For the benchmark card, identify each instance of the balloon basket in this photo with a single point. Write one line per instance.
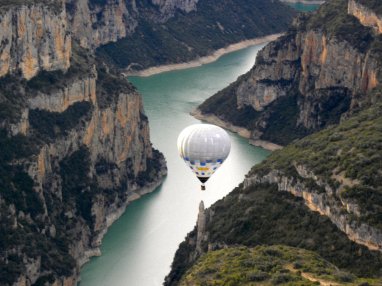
(203, 187)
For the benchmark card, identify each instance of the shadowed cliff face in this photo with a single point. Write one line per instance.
(324, 66)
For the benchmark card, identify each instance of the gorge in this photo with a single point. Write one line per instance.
(77, 151)
(138, 249)
(74, 136)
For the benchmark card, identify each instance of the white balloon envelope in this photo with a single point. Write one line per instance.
(204, 148)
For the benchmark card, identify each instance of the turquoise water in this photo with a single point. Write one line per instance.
(139, 248)
(304, 7)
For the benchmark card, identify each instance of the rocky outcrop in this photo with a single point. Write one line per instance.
(114, 136)
(94, 25)
(314, 62)
(323, 71)
(328, 203)
(365, 15)
(258, 213)
(33, 38)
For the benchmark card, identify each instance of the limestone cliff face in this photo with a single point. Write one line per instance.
(115, 134)
(95, 25)
(313, 62)
(74, 115)
(365, 15)
(328, 203)
(319, 67)
(59, 100)
(34, 38)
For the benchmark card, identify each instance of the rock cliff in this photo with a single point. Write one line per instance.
(75, 146)
(174, 31)
(321, 193)
(34, 37)
(324, 66)
(96, 24)
(368, 13)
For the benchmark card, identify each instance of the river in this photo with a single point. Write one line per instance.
(138, 248)
(302, 7)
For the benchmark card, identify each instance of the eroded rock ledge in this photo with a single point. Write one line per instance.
(365, 15)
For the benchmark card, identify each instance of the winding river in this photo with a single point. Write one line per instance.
(138, 249)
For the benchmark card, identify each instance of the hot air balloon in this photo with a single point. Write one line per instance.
(204, 148)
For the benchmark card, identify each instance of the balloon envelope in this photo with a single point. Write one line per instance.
(204, 148)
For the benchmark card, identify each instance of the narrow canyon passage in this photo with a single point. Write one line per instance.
(138, 249)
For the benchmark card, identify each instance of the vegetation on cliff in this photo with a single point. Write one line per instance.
(187, 36)
(267, 265)
(347, 158)
(262, 215)
(51, 125)
(281, 115)
(49, 197)
(334, 20)
(341, 162)
(21, 235)
(374, 5)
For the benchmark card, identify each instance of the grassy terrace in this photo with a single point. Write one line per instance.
(268, 265)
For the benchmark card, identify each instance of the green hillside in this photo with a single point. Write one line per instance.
(268, 265)
(261, 214)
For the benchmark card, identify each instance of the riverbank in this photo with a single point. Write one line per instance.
(241, 131)
(203, 60)
(115, 213)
